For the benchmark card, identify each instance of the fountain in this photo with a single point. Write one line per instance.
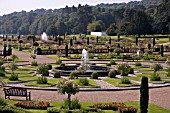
(44, 36)
(84, 69)
(85, 64)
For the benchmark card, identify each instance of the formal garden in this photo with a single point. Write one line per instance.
(114, 63)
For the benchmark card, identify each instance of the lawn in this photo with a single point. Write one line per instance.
(152, 108)
(92, 84)
(116, 82)
(51, 82)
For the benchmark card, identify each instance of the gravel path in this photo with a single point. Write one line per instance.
(158, 96)
(103, 84)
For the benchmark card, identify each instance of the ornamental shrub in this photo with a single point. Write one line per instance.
(57, 75)
(73, 75)
(42, 80)
(43, 69)
(2, 73)
(49, 66)
(112, 62)
(156, 67)
(131, 71)
(155, 77)
(94, 75)
(168, 72)
(125, 80)
(58, 61)
(62, 64)
(13, 77)
(138, 64)
(73, 105)
(34, 63)
(2, 102)
(83, 81)
(112, 74)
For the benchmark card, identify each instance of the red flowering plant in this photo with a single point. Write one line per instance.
(33, 105)
(127, 109)
(108, 106)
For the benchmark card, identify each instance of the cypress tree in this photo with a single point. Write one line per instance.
(97, 39)
(71, 42)
(110, 41)
(153, 41)
(162, 50)
(66, 51)
(87, 40)
(136, 40)
(144, 95)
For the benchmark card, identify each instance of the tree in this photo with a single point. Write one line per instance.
(67, 87)
(141, 24)
(51, 30)
(144, 95)
(112, 30)
(96, 26)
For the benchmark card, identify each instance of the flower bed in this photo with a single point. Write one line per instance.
(33, 105)
(120, 107)
(108, 106)
(127, 109)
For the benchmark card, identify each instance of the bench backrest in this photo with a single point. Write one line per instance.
(15, 91)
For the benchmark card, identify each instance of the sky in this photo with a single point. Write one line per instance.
(9, 6)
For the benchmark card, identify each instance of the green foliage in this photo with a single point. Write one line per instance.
(57, 75)
(112, 30)
(125, 80)
(2, 102)
(112, 62)
(73, 105)
(62, 64)
(42, 80)
(144, 95)
(73, 75)
(51, 30)
(13, 77)
(2, 73)
(49, 66)
(13, 57)
(53, 110)
(131, 71)
(12, 109)
(138, 64)
(168, 72)
(112, 74)
(117, 50)
(1, 62)
(123, 68)
(155, 77)
(58, 61)
(34, 63)
(69, 88)
(156, 67)
(96, 26)
(43, 69)
(83, 81)
(13, 67)
(94, 75)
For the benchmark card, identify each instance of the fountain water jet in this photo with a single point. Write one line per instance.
(44, 36)
(85, 64)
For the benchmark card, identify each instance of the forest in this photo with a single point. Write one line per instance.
(135, 17)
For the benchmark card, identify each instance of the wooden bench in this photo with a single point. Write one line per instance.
(15, 91)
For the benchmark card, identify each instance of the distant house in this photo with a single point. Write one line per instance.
(99, 33)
